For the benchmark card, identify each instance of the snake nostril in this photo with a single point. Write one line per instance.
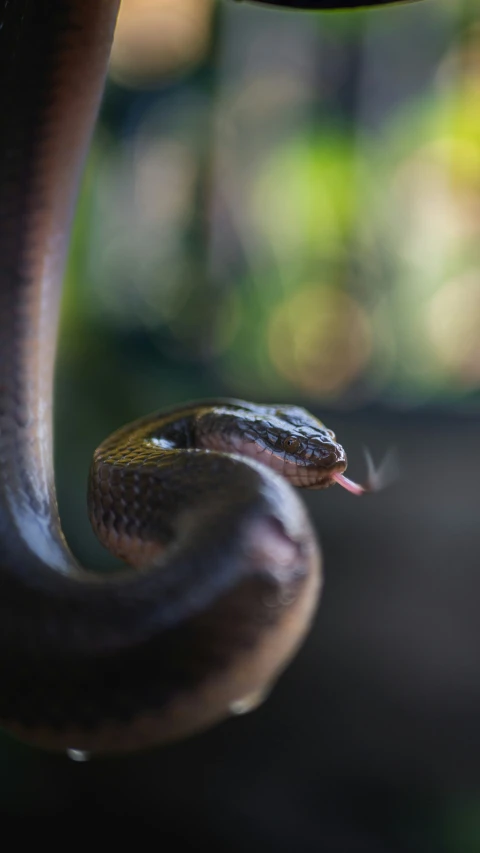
(336, 455)
(328, 453)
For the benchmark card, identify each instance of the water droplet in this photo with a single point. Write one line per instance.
(247, 703)
(78, 755)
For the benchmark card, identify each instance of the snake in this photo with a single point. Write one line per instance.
(223, 567)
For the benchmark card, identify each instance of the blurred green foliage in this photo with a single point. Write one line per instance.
(296, 216)
(208, 205)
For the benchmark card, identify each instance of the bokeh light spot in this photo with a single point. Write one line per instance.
(453, 323)
(320, 340)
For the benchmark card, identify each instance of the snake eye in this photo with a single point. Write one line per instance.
(291, 444)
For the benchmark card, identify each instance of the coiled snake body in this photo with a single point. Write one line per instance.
(227, 565)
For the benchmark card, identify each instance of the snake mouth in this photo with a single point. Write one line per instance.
(320, 477)
(309, 475)
(317, 470)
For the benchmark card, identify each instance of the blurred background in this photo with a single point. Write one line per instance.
(285, 207)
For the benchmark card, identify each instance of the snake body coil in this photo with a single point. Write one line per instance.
(227, 565)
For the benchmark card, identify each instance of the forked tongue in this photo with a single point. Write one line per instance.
(349, 485)
(377, 478)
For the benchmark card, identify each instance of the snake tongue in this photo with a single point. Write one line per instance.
(349, 485)
(377, 478)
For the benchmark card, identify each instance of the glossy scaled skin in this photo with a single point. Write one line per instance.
(230, 565)
(138, 485)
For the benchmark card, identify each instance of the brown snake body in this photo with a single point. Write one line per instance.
(229, 567)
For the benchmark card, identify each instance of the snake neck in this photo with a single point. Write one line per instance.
(53, 62)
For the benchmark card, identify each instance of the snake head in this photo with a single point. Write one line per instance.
(302, 449)
(287, 439)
